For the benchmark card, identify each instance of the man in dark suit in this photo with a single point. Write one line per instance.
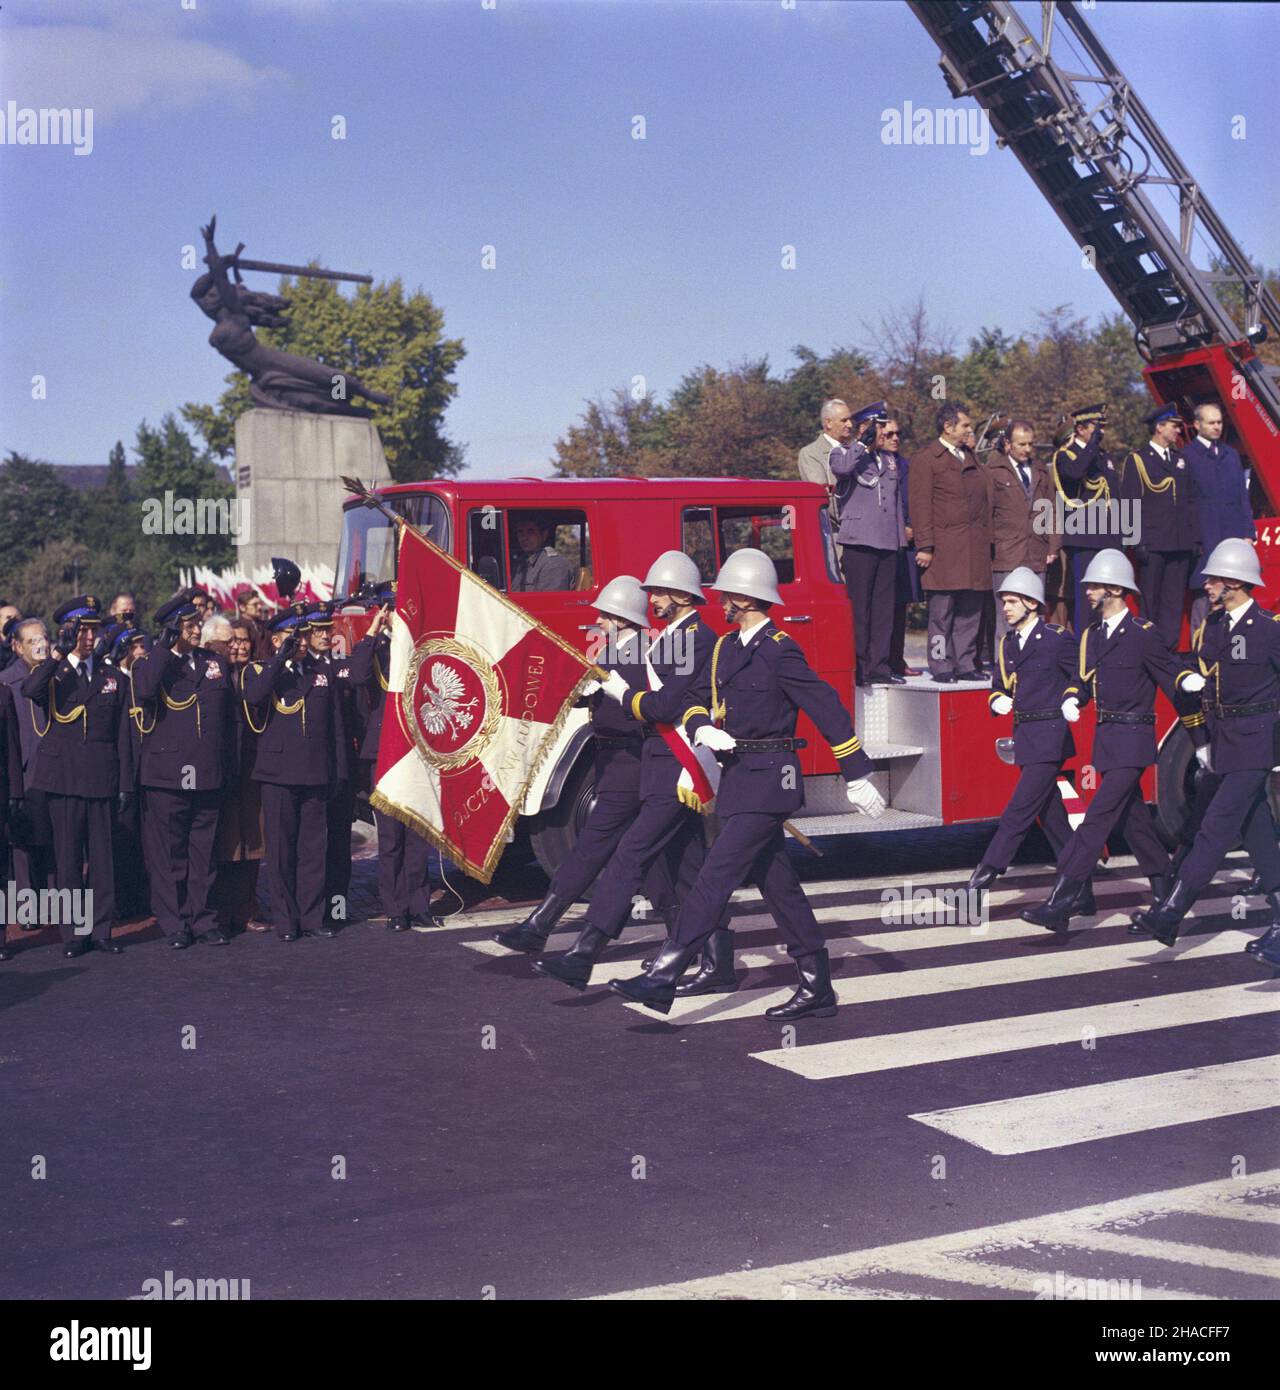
(84, 765)
(10, 786)
(301, 758)
(1221, 491)
(1122, 661)
(1158, 481)
(950, 513)
(1087, 483)
(187, 713)
(1238, 653)
(31, 831)
(1021, 493)
(757, 686)
(1035, 662)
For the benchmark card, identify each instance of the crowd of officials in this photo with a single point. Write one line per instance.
(161, 772)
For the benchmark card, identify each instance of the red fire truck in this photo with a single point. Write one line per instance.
(1103, 164)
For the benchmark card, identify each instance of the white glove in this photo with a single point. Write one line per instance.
(1204, 756)
(864, 797)
(1194, 683)
(589, 689)
(1002, 704)
(615, 687)
(1071, 711)
(715, 739)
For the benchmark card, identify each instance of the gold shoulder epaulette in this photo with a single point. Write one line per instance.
(1144, 624)
(780, 636)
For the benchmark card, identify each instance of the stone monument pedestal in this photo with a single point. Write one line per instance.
(288, 465)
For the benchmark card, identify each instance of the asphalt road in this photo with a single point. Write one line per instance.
(393, 1116)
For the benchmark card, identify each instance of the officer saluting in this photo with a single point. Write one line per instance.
(1087, 482)
(186, 718)
(757, 684)
(84, 764)
(293, 707)
(10, 781)
(1238, 651)
(1035, 661)
(1122, 660)
(402, 852)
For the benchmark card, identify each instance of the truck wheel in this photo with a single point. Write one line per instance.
(555, 832)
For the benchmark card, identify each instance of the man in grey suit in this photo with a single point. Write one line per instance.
(837, 433)
(33, 862)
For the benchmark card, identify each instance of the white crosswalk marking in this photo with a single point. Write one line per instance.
(966, 1257)
(1080, 1114)
(858, 1056)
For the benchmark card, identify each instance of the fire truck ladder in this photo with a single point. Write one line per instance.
(1101, 161)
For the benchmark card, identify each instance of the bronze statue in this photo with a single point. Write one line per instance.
(281, 380)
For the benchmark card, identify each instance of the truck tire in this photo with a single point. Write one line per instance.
(555, 832)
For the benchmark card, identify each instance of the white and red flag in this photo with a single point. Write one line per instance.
(477, 693)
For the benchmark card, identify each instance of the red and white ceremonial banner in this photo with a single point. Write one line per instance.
(477, 694)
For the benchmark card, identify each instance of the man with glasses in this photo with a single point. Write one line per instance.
(1221, 490)
(1019, 485)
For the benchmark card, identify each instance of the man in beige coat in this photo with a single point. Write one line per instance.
(837, 433)
(950, 514)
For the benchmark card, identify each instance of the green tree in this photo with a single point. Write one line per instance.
(395, 342)
(35, 506)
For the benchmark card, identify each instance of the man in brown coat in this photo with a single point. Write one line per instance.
(951, 517)
(1021, 512)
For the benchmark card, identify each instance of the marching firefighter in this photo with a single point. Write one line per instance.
(1035, 661)
(1122, 660)
(84, 763)
(745, 707)
(1238, 651)
(402, 853)
(1158, 480)
(1087, 483)
(186, 709)
(666, 823)
(301, 758)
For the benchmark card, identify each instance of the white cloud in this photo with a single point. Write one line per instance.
(118, 72)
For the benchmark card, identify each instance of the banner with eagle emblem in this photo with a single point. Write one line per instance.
(476, 696)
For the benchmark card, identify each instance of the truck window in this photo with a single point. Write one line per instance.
(764, 528)
(829, 546)
(698, 540)
(548, 550)
(487, 547)
(367, 551)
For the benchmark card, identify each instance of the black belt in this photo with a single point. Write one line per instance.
(1111, 716)
(768, 745)
(1035, 716)
(650, 732)
(622, 741)
(1240, 711)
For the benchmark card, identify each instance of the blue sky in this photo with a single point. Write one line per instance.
(511, 126)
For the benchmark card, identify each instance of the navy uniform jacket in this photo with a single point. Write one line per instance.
(1241, 667)
(303, 742)
(11, 678)
(10, 754)
(369, 665)
(348, 697)
(187, 719)
(1222, 497)
(870, 488)
(85, 744)
(681, 658)
(1166, 497)
(618, 739)
(1087, 474)
(763, 686)
(1034, 677)
(1121, 674)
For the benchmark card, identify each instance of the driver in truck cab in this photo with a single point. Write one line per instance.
(536, 566)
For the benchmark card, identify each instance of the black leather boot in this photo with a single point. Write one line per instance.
(715, 975)
(1055, 913)
(983, 877)
(656, 988)
(531, 934)
(1254, 886)
(573, 967)
(1267, 947)
(1162, 921)
(815, 997)
(669, 917)
(1161, 886)
(1084, 905)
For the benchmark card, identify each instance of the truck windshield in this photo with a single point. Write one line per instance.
(367, 552)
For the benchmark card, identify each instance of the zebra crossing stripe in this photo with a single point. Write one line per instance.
(962, 1256)
(1082, 1114)
(888, 1051)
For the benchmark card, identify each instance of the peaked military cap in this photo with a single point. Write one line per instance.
(1086, 413)
(176, 610)
(85, 608)
(878, 411)
(1169, 411)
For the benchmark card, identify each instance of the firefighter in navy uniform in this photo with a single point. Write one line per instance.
(295, 709)
(666, 824)
(1238, 652)
(403, 854)
(618, 741)
(10, 786)
(187, 712)
(1035, 662)
(84, 763)
(755, 688)
(1158, 479)
(1086, 481)
(118, 645)
(1122, 661)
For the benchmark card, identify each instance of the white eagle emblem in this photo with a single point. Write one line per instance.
(443, 708)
